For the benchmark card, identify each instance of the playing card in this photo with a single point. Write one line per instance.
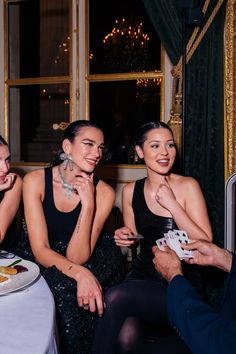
(136, 237)
(174, 239)
(181, 235)
(175, 245)
(161, 242)
(169, 236)
(182, 238)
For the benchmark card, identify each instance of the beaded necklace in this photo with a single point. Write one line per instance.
(68, 189)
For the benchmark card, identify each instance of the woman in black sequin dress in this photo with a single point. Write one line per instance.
(151, 207)
(66, 207)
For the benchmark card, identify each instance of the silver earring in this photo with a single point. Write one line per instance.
(68, 161)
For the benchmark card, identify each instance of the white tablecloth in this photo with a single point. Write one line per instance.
(27, 321)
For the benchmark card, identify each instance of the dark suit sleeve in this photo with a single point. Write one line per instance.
(203, 329)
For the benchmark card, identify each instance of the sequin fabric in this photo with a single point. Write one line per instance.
(76, 326)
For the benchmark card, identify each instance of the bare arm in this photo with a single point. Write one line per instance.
(122, 234)
(90, 224)
(192, 214)
(33, 190)
(88, 288)
(105, 199)
(79, 248)
(10, 204)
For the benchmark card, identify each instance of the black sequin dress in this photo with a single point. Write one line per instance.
(75, 325)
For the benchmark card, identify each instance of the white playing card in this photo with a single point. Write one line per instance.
(169, 236)
(175, 245)
(161, 242)
(182, 238)
(181, 235)
(174, 239)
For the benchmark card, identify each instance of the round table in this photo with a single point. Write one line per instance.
(27, 320)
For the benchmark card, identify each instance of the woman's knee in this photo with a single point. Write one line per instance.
(116, 296)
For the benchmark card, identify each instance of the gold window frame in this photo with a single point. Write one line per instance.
(90, 78)
(48, 80)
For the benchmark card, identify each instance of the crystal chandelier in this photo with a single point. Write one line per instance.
(126, 47)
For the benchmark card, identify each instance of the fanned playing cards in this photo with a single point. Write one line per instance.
(174, 239)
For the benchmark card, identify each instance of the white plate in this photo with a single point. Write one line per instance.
(20, 280)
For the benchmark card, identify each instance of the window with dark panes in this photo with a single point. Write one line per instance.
(39, 82)
(121, 83)
(124, 74)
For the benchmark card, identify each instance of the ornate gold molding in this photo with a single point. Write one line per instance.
(175, 121)
(230, 89)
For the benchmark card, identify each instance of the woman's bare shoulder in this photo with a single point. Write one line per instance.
(35, 176)
(18, 179)
(129, 188)
(185, 183)
(18, 183)
(105, 189)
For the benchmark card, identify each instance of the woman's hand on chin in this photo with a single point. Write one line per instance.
(8, 181)
(165, 195)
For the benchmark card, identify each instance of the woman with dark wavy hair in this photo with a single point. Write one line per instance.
(66, 207)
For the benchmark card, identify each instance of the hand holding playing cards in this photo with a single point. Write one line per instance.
(124, 237)
(167, 262)
(175, 239)
(207, 253)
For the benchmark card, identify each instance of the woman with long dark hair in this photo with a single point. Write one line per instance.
(151, 206)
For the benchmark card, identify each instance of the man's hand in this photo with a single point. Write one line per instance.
(167, 263)
(207, 253)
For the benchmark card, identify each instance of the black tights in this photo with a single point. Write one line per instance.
(129, 306)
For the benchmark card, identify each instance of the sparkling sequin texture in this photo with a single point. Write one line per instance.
(75, 325)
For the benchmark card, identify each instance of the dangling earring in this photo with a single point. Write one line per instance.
(68, 161)
(136, 158)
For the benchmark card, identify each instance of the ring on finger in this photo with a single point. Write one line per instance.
(85, 306)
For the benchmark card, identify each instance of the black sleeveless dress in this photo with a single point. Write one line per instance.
(153, 227)
(137, 308)
(75, 325)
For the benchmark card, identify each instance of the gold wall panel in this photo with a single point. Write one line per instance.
(230, 88)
